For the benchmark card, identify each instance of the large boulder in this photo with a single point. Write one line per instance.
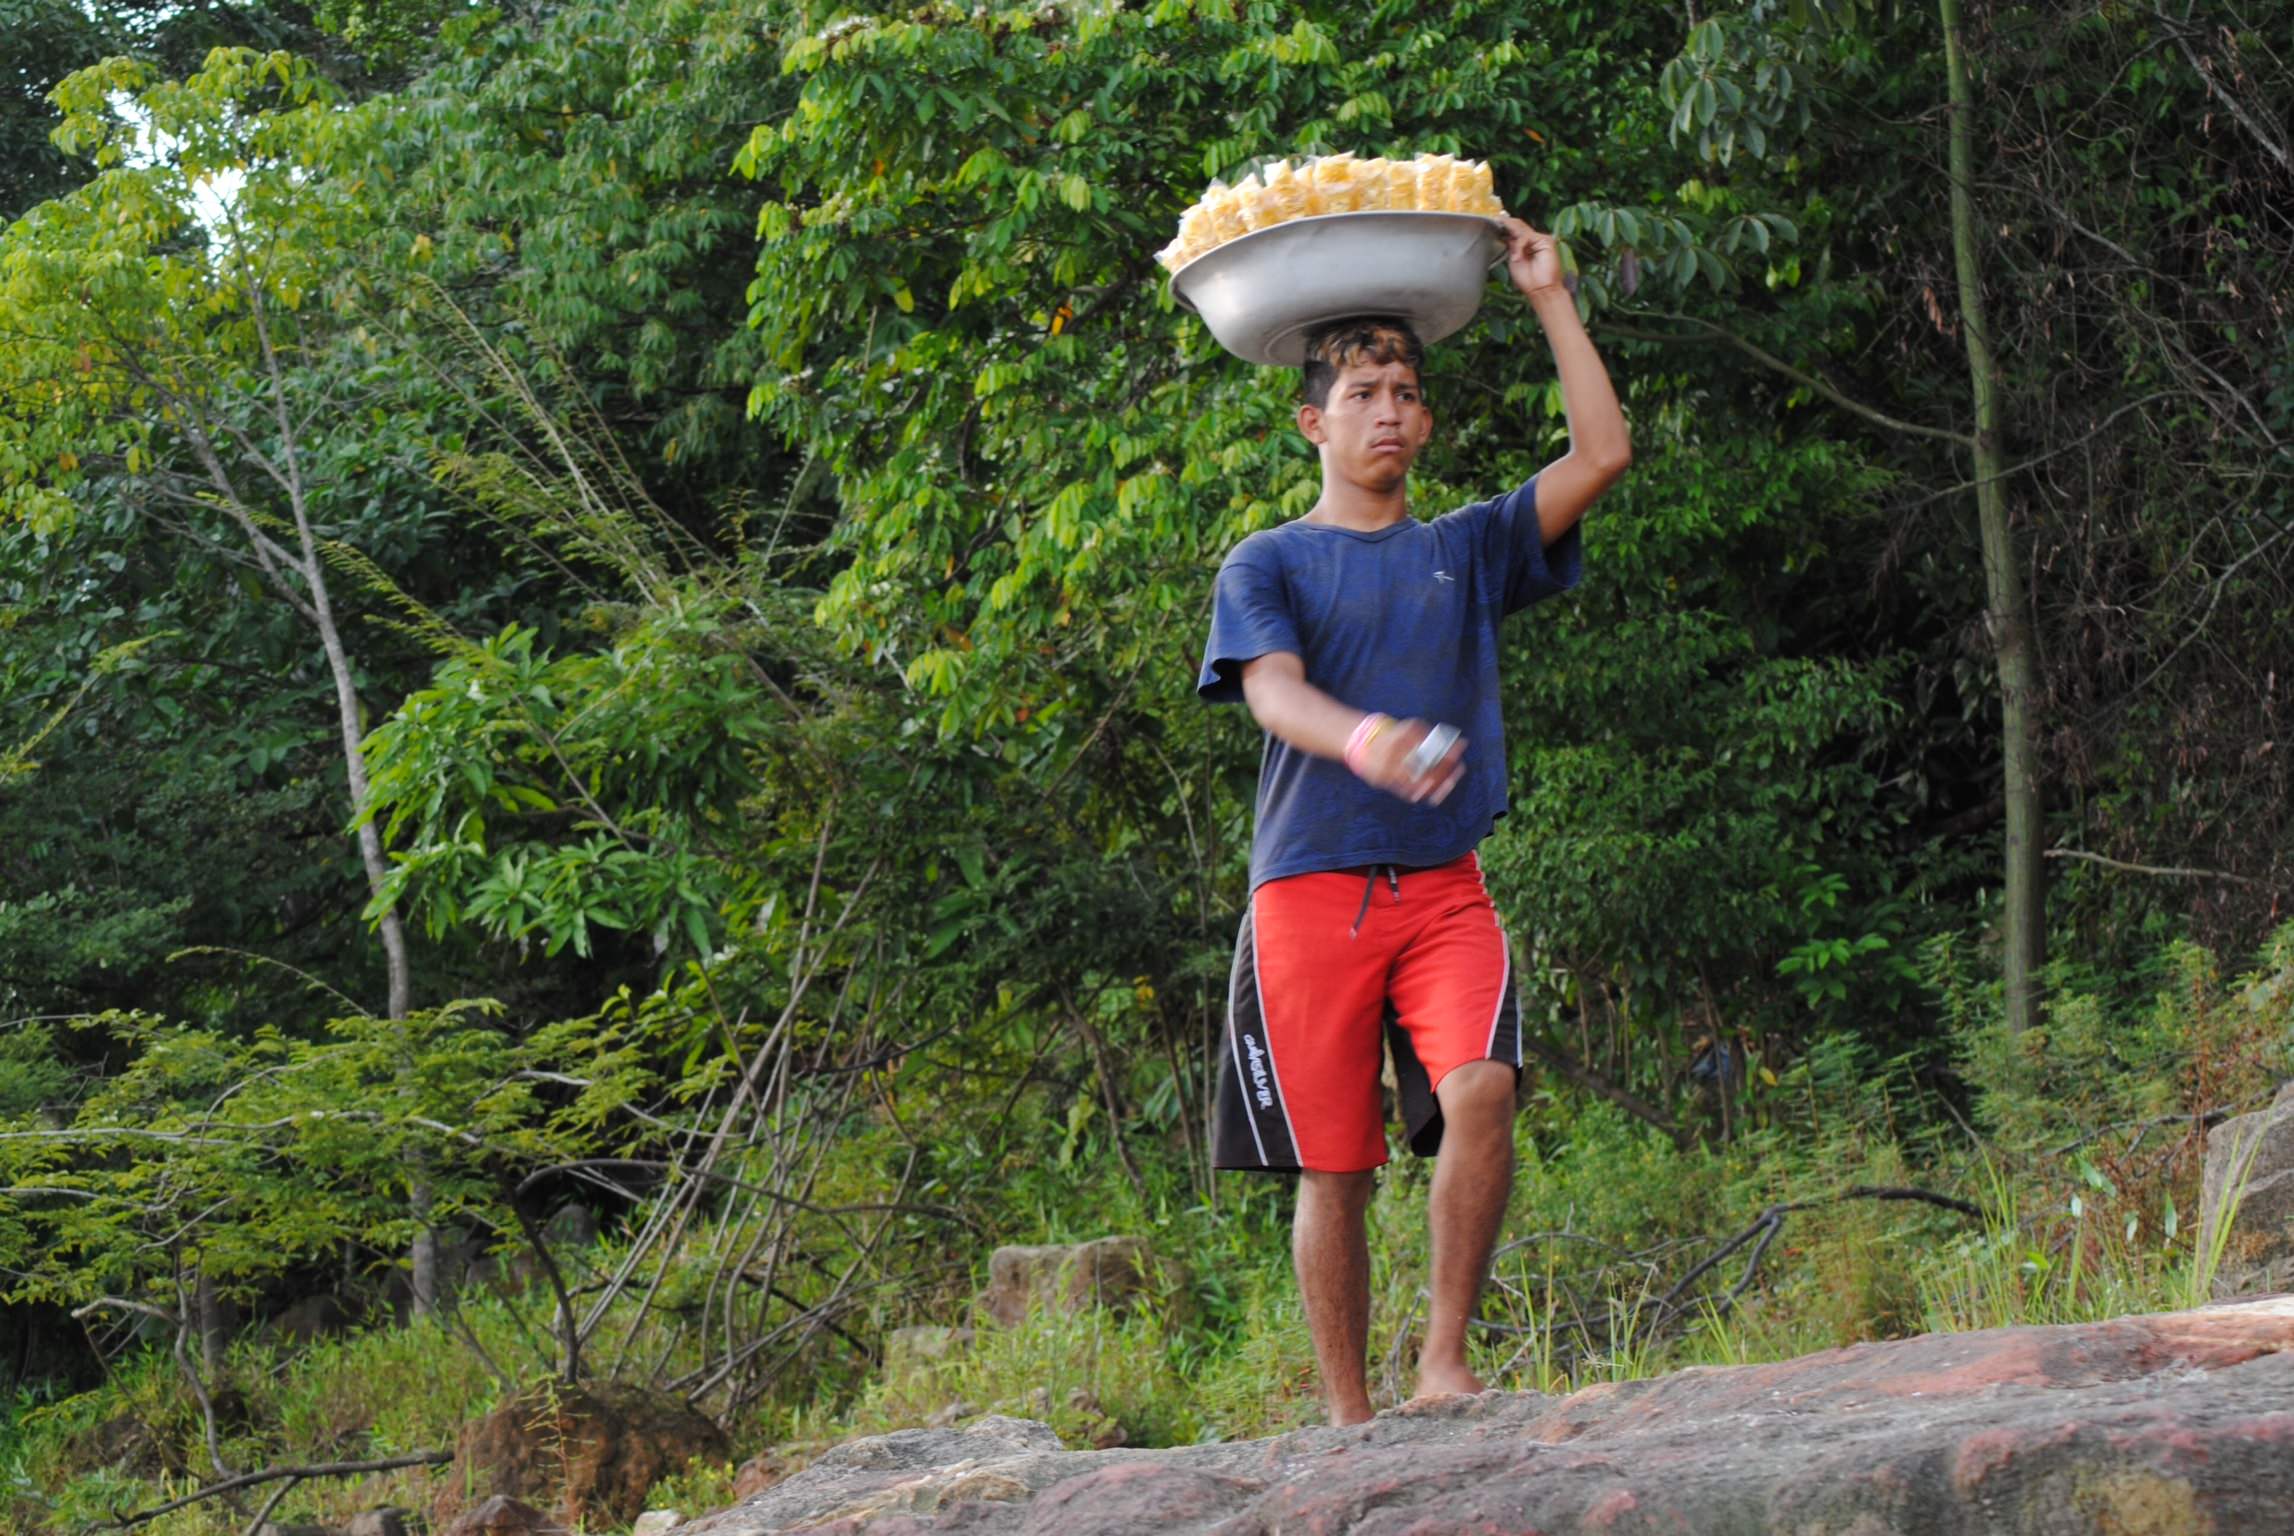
(2165, 1425)
(2250, 1172)
(906, 1469)
(587, 1454)
(1114, 1272)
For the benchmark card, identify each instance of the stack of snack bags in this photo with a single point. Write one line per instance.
(1330, 184)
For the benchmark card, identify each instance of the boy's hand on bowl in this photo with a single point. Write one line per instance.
(1532, 259)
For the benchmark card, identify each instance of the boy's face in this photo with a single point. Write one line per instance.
(1373, 425)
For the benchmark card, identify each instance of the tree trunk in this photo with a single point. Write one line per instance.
(2007, 609)
(423, 1259)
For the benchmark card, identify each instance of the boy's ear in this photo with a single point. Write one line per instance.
(1310, 425)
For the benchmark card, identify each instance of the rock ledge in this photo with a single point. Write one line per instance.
(2148, 1426)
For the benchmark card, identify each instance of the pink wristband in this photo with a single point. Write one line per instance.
(1365, 731)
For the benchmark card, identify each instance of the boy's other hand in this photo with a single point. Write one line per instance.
(1386, 763)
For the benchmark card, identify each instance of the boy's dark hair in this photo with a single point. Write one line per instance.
(1343, 344)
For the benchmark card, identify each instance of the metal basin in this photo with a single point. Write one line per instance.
(1262, 292)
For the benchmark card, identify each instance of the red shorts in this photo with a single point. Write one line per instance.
(1322, 963)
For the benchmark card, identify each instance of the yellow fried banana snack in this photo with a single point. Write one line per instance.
(1328, 184)
(1476, 191)
(1284, 195)
(1226, 218)
(1195, 236)
(1250, 204)
(1402, 184)
(1335, 177)
(1436, 180)
(1370, 177)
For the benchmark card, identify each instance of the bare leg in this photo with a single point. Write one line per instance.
(1328, 1245)
(1472, 1178)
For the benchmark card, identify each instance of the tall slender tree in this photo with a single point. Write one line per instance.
(2007, 606)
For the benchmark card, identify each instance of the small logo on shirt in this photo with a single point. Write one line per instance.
(1444, 576)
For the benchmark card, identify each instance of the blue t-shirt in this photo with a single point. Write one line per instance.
(1404, 621)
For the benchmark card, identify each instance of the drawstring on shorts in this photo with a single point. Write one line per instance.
(1369, 885)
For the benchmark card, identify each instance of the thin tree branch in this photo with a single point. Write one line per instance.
(1722, 334)
(2012, 470)
(2169, 872)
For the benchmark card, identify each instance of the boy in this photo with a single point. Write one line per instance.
(1364, 642)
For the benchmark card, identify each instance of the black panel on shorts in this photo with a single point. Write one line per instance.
(1250, 1128)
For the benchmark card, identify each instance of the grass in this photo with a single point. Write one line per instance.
(371, 1393)
(2007, 1275)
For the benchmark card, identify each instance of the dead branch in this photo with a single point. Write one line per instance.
(262, 1516)
(302, 1473)
(1768, 1223)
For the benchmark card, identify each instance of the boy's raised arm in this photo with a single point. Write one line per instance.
(1600, 446)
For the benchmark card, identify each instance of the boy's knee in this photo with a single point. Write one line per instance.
(1478, 1091)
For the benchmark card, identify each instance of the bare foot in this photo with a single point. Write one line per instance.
(1352, 1413)
(1444, 1380)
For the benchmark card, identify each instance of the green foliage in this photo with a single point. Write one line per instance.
(234, 1158)
(1607, 1217)
(1703, 809)
(2063, 1265)
(50, 39)
(132, 320)
(121, 857)
(2199, 1043)
(649, 744)
(568, 175)
(1083, 1373)
(377, 1392)
(392, 35)
(2096, 1125)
